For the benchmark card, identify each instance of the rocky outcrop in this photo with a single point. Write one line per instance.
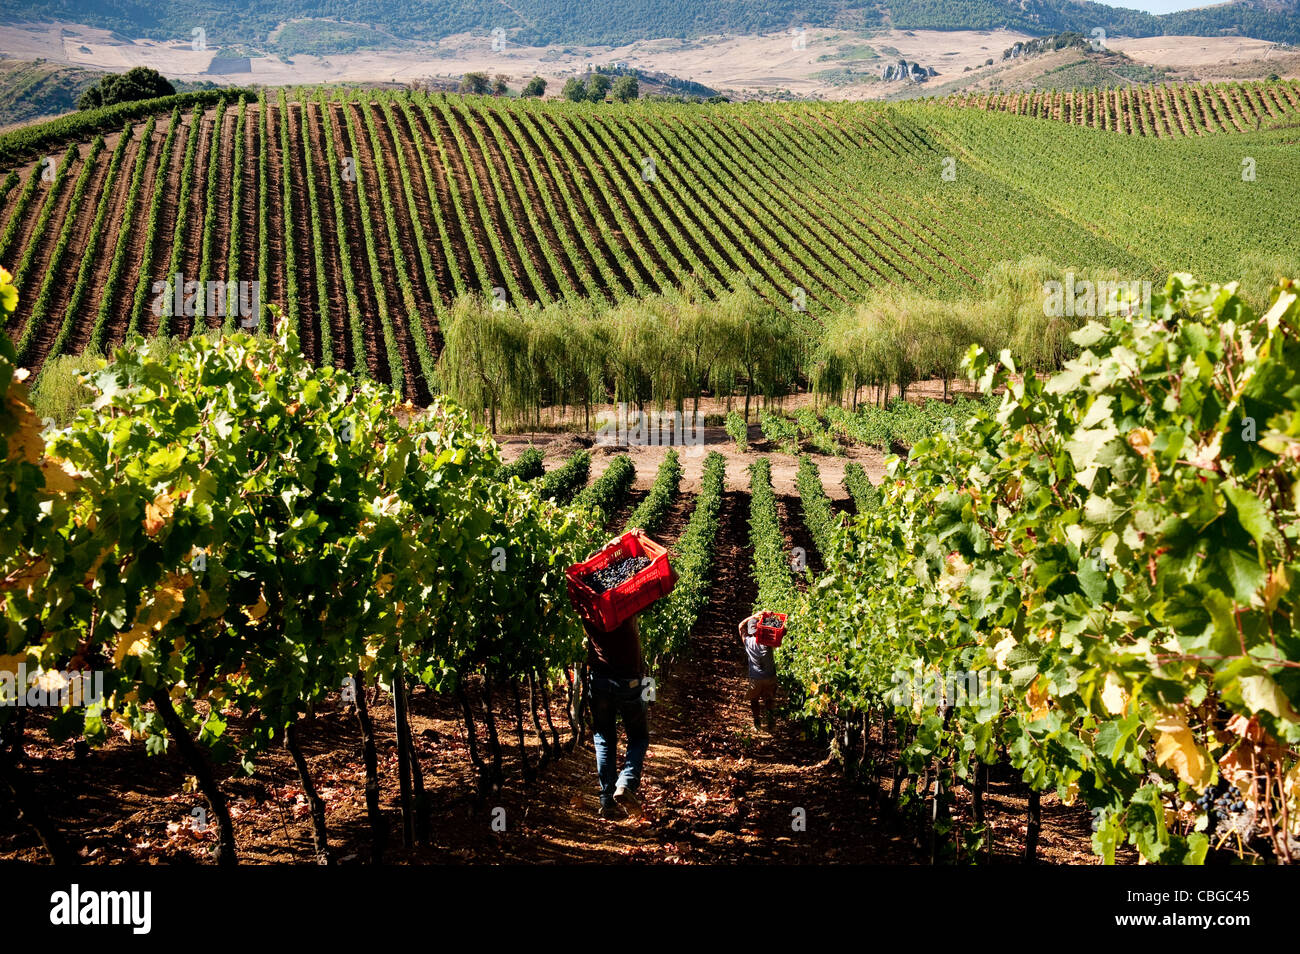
(903, 70)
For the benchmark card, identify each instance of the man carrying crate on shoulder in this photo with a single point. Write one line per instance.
(762, 672)
(616, 681)
(609, 590)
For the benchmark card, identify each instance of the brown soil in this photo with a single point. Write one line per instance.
(368, 173)
(689, 172)
(376, 358)
(425, 294)
(722, 136)
(194, 213)
(249, 199)
(566, 186)
(704, 254)
(162, 238)
(137, 240)
(736, 196)
(633, 197)
(444, 145)
(556, 137)
(276, 290)
(459, 135)
(437, 183)
(65, 271)
(336, 299)
(501, 135)
(696, 235)
(312, 323)
(103, 256)
(44, 242)
(439, 292)
(500, 185)
(225, 146)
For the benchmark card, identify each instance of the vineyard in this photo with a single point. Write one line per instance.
(1092, 582)
(341, 366)
(368, 221)
(1159, 112)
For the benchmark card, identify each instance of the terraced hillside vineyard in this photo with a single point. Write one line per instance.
(363, 218)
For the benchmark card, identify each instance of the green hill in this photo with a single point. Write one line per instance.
(30, 90)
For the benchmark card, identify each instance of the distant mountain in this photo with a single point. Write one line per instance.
(1277, 20)
(600, 22)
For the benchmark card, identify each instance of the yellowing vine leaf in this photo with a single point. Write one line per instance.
(1176, 748)
(1037, 698)
(1274, 315)
(1003, 649)
(1140, 439)
(1114, 696)
(131, 643)
(166, 605)
(1276, 587)
(27, 443)
(258, 609)
(1234, 767)
(157, 514)
(60, 476)
(1261, 694)
(93, 572)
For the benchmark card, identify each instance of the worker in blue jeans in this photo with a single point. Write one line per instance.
(618, 687)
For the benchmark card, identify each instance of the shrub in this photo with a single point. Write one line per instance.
(738, 431)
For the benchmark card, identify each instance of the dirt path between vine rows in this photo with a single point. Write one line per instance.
(715, 790)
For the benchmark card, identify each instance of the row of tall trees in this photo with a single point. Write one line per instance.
(897, 336)
(664, 350)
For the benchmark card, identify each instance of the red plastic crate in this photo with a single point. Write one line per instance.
(770, 635)
(606, 611)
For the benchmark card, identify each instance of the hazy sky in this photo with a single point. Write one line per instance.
(1155, 6)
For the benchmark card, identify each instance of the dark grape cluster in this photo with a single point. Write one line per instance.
(1221, 800)
(771, 619)
(614, 574)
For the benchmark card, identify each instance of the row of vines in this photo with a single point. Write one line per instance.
(280, 536)
(373, 221)
(1087, 581)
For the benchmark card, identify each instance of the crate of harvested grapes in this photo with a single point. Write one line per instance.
(620, 581)
(771, 629)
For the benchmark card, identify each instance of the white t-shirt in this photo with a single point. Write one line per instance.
(762, 661)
